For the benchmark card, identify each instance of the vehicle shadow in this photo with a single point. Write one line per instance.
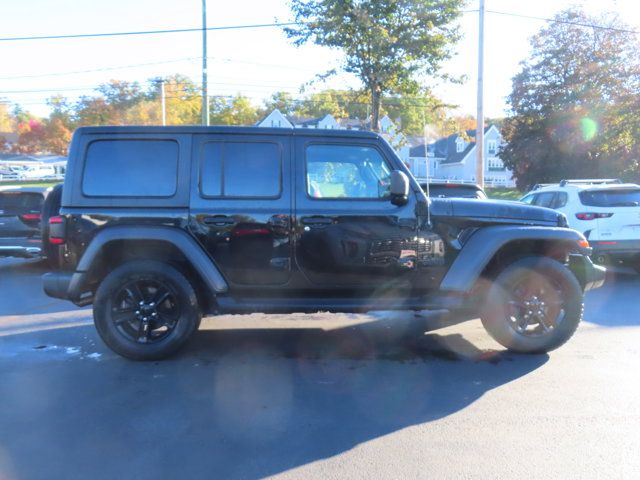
(238, 403)
(615, 304)
(21, 288)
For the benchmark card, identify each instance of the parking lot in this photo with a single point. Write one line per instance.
(317, 396)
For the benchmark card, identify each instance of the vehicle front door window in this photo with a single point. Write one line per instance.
(346, 171)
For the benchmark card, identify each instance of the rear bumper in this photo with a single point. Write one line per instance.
(589, 275)
(64, 285)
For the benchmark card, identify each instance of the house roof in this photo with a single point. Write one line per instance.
(445, 148)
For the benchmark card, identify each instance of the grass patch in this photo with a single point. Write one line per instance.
(30, 183)
(504, 193)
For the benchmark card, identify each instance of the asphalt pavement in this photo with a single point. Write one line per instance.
(383, 395)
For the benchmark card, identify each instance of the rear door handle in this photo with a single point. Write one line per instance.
(218, 220)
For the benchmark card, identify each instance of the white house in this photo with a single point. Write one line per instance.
(277, 119)
(454, 158)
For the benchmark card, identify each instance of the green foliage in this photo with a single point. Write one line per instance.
(574, 103)
(386, 44)
(237, 110)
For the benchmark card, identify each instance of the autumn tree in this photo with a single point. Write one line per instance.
(282, 101)
(31, 137)
(386, 44)
(237, 110)
(7, 122)
(574, 102)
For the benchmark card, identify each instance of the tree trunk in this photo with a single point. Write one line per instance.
(375, 108)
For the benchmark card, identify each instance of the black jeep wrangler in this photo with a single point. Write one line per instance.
(161, 225)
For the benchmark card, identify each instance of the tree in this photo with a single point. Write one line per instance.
(31, 137)
(56, 137)
(574, 107)
(282, 101)
(412, 113)
(386, 44)
(235, 111)
(7, 122)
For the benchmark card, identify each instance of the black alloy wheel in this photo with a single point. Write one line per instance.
(145, 310)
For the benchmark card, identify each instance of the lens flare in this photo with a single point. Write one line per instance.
(589, 128)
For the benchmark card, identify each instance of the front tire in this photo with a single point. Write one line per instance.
(145, 310)
(534, 306)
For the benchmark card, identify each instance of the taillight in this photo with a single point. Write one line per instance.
(31, 217)
(592, 215)
(57, 230)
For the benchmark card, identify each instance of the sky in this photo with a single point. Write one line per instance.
(254, 62)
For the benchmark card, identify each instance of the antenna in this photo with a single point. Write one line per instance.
(426, 159)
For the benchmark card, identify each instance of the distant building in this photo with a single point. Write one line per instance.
(454, 158)
(277, 119)
(451, 158)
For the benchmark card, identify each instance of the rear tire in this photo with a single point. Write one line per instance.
(145, 310)
(534, 306)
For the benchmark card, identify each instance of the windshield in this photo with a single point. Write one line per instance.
(611, 198)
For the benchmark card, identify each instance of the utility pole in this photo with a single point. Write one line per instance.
(205, 93)
(163, 103)
(480, 116)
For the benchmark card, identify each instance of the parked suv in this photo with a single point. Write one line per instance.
(23, 213)
(606, 211)
(161, 225)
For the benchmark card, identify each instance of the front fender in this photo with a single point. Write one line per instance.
(481, 247)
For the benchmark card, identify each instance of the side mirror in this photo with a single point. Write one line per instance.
(399, 188)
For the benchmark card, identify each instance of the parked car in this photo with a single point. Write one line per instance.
(165, 224)
(606, 211)
(37, 172)
(7, 174)
(452, 189)
(23, 211)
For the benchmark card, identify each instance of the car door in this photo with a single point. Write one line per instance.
(348, 233)
(241, 206)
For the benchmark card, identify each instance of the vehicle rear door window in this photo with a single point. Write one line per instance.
(346, 171)
(131, 168)
(241, 169)
(544, 199)
(627, 197)
(561, 200)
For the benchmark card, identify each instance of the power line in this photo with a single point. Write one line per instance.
(144, 32)
(135, 65)
(101, 69)
(566, 22)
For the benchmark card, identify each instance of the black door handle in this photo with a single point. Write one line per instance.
(218, 220)
(317, 221)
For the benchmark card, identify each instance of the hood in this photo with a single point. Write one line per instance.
(496, 211)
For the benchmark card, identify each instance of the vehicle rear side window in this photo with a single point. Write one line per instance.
(346, 171)
(611, 198)
(131, 168)
(544, 199)
(241, 169)
(20, 202)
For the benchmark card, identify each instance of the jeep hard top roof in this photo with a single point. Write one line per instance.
(225, 129)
